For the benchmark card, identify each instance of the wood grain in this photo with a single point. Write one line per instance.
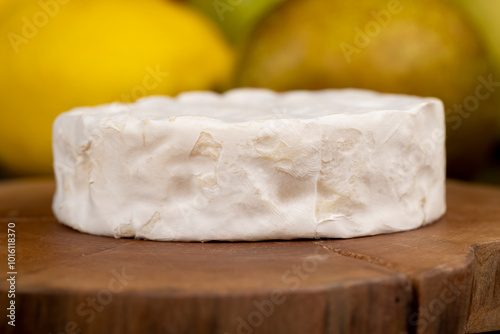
(26, 198)
(443, 278)
(461, 251)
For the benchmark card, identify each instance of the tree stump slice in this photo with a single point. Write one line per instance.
(442, 278)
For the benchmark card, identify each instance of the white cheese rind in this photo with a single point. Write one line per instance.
(251, 165)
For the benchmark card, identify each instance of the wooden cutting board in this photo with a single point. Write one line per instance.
(443, 278)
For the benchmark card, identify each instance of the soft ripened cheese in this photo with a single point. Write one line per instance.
(251, 165)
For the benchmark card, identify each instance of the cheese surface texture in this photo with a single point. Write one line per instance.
(251, 164)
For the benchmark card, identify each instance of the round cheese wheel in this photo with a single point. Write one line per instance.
(251, 164)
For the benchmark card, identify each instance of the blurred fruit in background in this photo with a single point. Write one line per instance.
(60, 54)
(486, 17)
(236, 18)
(423, 47)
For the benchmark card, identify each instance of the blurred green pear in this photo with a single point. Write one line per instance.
(485, 14)
(424, 47)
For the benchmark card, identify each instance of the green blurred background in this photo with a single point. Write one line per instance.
(59, 54)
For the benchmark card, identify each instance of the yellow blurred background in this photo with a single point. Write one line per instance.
(59, 54)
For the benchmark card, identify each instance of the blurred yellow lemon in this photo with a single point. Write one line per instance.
(58, 54)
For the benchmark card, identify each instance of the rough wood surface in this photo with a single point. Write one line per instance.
(443, 278)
